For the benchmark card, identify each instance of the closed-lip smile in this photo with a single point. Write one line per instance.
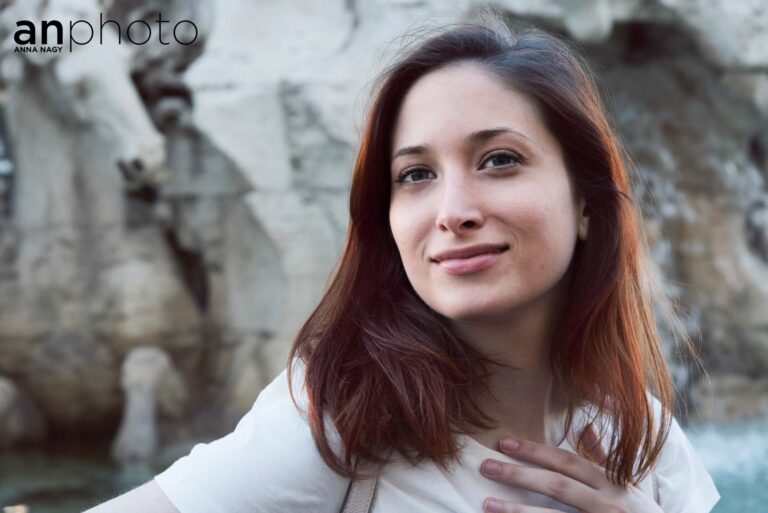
(469, 251)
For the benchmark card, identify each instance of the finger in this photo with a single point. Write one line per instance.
(559, 460)
(493, 505)
(552, 484)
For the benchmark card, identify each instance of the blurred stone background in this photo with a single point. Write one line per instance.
(170, 214)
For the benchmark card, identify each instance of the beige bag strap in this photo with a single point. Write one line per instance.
(359, 496)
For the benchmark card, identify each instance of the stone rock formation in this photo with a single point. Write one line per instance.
(83, 282)
(240, 155)
(150, 383)
(21, 422)
(689, 101)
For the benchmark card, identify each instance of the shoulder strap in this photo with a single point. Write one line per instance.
(359, 496)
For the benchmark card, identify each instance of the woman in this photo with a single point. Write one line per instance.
(487, 342)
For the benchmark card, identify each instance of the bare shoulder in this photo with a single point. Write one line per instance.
(147, 497)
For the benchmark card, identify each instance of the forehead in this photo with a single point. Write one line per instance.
(447, 103)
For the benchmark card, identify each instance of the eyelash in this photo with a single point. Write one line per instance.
(515, 156)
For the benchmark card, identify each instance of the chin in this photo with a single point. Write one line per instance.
(463, 310)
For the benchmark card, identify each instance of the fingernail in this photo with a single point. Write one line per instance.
(491, 468)
(492, 506)
(510, 444)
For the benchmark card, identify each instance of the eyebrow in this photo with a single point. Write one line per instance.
(474, 138)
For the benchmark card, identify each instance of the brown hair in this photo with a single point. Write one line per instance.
(387, 369)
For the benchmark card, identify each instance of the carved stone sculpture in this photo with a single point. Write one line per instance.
(151, 384)
(20, 420)
(89, 280)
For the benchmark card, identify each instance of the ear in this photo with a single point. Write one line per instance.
(583, 219)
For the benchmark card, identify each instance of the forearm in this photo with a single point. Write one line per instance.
(148, 498)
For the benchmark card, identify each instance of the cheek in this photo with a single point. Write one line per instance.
(411, 230)
(396, 226)
(542, 226)
(404, 232)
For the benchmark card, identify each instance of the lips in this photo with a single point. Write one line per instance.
(468, 252)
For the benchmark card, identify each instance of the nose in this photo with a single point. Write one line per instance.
(459, 205)
(142, 158)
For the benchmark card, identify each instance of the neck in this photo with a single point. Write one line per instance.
(525, 403)
(525, 400)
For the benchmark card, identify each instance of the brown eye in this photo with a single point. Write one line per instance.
(417, 171)
(504, 158)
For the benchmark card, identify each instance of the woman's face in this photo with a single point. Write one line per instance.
(473, 164)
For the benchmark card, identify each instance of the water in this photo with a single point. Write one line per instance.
(70, 479)
(736, 456)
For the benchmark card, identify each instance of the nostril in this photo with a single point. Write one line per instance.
(130, 169)
(124, 168)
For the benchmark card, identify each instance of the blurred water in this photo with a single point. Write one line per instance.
(736, 456)
(66, 477)
(71, 478)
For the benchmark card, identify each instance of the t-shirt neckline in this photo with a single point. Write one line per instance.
(470, 443)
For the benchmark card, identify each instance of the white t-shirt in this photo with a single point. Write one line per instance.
(270, 463)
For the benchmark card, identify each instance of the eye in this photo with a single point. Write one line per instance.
(416, 171)
(502, 158)
(505, 158)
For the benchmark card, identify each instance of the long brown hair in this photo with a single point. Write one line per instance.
(386, 367)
